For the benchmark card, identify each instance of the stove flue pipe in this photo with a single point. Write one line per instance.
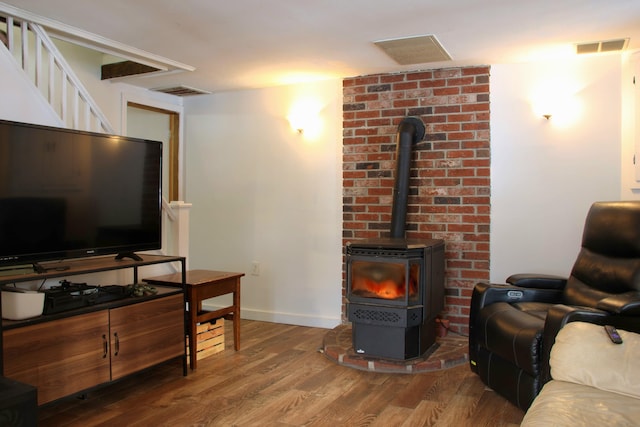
(410, 131)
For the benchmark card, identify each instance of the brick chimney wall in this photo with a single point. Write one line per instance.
(449, 195)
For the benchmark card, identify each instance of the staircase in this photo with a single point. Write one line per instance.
(44, 65)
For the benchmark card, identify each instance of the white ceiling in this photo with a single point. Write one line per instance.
(236, 44)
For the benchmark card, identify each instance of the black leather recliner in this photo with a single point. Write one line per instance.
(513, 326)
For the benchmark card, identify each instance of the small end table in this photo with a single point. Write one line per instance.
(199, 286)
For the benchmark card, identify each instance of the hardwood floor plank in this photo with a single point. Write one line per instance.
(320, 398)
(391, 416)
(280, 378)
(275, 409)
(494, 410)
(427, 413)
(415, 391)
(359, 419)
(461, 416)
(341, 410)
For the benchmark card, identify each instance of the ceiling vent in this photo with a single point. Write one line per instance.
(181, 90)
(414, 50)
(602, 46)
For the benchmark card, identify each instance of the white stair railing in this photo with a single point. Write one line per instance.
(45, 66)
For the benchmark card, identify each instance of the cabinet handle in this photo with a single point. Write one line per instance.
(115, 334)
(105, 346)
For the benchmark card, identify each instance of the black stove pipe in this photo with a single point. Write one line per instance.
(410, 131)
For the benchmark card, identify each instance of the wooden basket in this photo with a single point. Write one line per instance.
(210, 338)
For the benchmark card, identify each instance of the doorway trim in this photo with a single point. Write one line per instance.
(176, 133)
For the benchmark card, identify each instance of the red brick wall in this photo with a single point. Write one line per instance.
(450, 170)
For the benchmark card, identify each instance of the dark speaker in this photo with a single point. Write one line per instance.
(18, 404)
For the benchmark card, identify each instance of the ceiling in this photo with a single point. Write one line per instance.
(261, 43)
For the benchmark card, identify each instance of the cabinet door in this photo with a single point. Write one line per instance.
(60, 357)
(146, 333)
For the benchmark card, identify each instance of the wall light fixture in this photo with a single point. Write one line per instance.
(304, 117)
(558, 100)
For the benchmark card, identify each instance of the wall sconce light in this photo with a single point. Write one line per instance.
(304, 117)
(559, 101)
(545, 103)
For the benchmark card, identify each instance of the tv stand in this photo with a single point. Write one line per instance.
(100, 343)
(131, 255)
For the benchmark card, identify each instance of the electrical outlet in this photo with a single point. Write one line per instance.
(255, 268)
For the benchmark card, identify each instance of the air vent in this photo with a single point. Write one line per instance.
(181, 90)
(115, 70)
(602, 46)
(414, 50)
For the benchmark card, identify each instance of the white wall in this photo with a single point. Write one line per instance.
(244, 170)
(546, 173)
(22, 102)
(261, 192)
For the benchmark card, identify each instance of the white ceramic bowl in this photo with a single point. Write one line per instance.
(22, 305)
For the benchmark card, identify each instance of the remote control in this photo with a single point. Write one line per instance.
(614, 336)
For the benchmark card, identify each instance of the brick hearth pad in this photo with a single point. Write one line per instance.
(446, 353)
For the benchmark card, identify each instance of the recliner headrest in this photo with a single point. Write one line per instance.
(613, 229)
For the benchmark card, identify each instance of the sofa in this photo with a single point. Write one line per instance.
(594, 381)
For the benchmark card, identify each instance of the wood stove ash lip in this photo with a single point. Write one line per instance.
(391, 243)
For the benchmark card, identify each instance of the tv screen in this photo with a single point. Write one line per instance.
(70, 194)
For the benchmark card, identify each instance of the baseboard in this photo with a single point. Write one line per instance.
(286, 318)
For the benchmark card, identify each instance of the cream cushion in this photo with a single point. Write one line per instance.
(584, 354)
(563, 404)
(595, 382)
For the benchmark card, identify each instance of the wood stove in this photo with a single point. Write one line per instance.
(395, 286)
(395, 289)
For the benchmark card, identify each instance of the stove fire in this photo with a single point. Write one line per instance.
(372, 279)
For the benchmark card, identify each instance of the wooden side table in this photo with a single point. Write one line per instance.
(199, 286)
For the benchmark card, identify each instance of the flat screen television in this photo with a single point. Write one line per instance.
(70, 194)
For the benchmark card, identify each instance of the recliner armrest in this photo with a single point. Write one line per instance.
(627, 303)
(485, 294)
(489, 293)
(537, 281)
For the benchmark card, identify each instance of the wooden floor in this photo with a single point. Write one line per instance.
(280, 378)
